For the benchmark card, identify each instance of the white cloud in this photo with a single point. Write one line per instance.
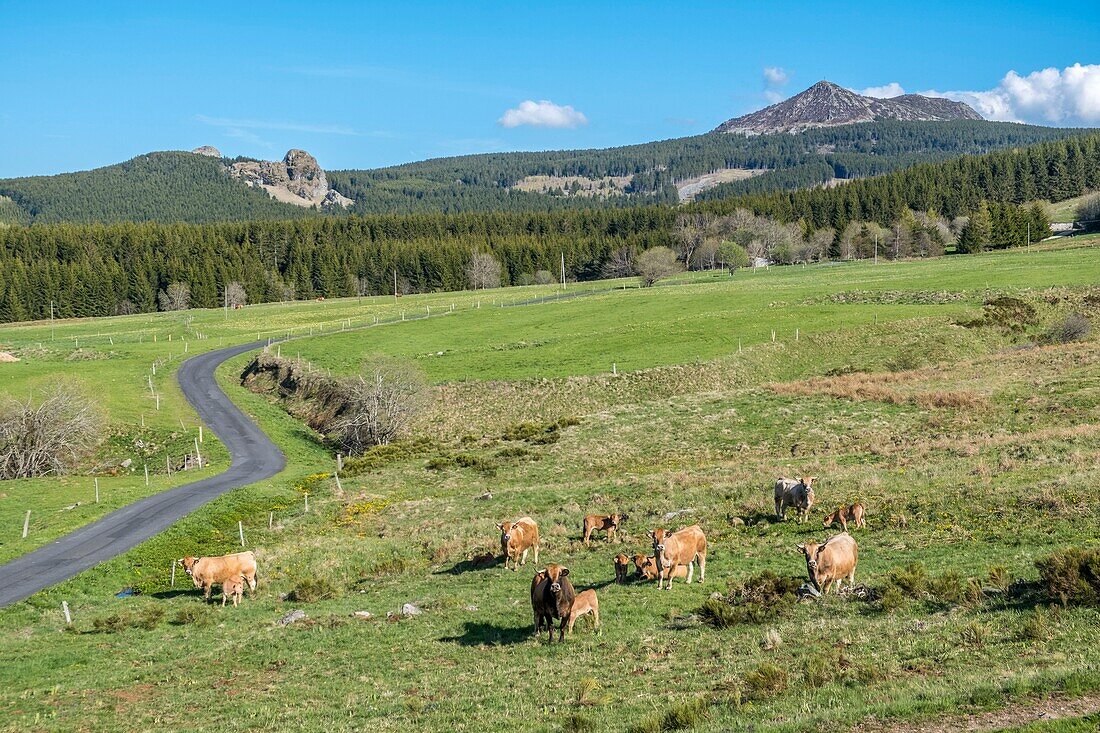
(893, 89)
(1070, 96)
(542, 114)
(775, 76)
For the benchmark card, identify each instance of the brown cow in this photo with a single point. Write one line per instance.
(845, 514)
(233, 588)
(622, 564)
(552, 597)
(585, 603)
(608, 523)
(683, 547)
(205, 572)
(795, 493)
(831, 561)
(516, 539)
(646, 567)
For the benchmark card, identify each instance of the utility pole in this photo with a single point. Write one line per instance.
(226, 298)
(1029, 236)
(395, 283)
(876, 249)
(51, 321)
(563, 270)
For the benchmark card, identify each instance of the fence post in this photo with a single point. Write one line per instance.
(65, 610)
(26, 523)
(172, 584)
(307, 503)
(197, 454)
(240, 529)
(200, 433)
(146, 474)
(96, 490)
(270, 520)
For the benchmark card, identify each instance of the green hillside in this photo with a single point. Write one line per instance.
(165, 187)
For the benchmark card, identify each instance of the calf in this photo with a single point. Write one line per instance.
(205, 572)
(552, 598)
(845, 514)
(516, 539)
(683, 547)
(622, 564)
(233, 588)
(831, 561)
(795, 493)
(646, 568)
(606, 523)
(585, 603)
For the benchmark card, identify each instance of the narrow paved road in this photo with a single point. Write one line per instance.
(254, 458)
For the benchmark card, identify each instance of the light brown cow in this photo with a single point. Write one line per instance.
(622, 564)
(233, 588)
(205, 572)
(516, 539)
(845, 514)
(646, 567)
(832, 561)
(794, 493)
(585, 603)
(683, 547)
(608, 523)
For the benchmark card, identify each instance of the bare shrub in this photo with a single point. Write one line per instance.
(544, 277)
(1089, 210)
(620, 263)
(235, 295)
(176, 298)
(48, 437)
(1074, 328)
(657, 263)
(483, 271)
(125, 307)
(381, 404)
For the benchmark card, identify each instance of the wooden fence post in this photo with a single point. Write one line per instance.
(26, 523)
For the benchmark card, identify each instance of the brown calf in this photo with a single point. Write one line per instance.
(233, 588)
(622, 564)
(608, 523)
(832, 561)
(552, 598)
(683, 547)
(205, 572)
(516, 539)
(585, 603)
(646, 568)
(845, 514)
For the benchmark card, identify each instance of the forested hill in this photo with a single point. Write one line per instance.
(92, 270)
(165, 187)
(183, 187)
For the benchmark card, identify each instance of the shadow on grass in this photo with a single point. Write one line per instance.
(478, 633)
(468, 566)
(176, 593)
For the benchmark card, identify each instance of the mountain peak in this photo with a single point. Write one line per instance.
(826, 104)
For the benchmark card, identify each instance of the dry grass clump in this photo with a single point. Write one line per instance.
(863, 387)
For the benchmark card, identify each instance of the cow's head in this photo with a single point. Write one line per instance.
(831, 519)
(617, 519)
(640, 561)
(505, 530)
(808, 482)
(188, 564)
(810, 550)
(658, 536)
(621, 560)
(555, 573)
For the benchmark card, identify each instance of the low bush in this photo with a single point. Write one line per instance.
(678, 717)
(197, 615)
(487, 466)
(147, 618)
(1037, 626)
(310, 590)
(758, 599)
(765, 681)
(1071, 576)
(1074, 327)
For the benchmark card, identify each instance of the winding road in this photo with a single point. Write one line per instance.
(253, 458)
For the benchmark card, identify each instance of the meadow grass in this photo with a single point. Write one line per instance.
(973, 451)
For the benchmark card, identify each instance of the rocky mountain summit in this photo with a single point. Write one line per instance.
(296, 179)
(828, 105)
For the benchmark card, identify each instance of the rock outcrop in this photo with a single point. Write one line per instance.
(296, 179)
(207, 150)
(828, 105)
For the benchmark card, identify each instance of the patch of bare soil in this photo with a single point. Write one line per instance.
(7, 357)
(1013, 716)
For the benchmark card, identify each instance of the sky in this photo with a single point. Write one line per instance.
(364, 85)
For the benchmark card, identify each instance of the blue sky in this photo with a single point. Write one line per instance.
(369, 84)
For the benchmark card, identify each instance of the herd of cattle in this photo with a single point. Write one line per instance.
(553, 597)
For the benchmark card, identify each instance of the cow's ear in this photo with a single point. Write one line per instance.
(564, 572)
(500, 527)
(802, 548)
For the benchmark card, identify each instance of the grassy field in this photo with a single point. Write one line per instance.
(1066, 211)
(974, 453)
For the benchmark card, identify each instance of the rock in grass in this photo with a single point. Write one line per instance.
(485, 497)
(363, 614)
(296, 615)
(673, 515)
(410, 610)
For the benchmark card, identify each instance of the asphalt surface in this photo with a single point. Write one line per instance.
(253, 458)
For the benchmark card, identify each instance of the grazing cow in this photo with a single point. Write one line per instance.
(622, 564)
(552, 598)
(233, 588)
(585, 603)
(205, 572)
(608, 523)
(683, 547)
(795, 493)
(516, 539)
(831, 561)
(845, 514)
(646, 567)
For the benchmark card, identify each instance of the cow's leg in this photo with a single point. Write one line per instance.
(691, 571)
(702, 566)
(572, 623)
(779, 509)
(536, 553)
(561, 629)
(843, 524)
(587, 535)
(523, 557)
(252, 582)
(207, 588)
(596, 620)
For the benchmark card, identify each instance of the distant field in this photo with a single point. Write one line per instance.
(972, 453)
(1066, 211)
